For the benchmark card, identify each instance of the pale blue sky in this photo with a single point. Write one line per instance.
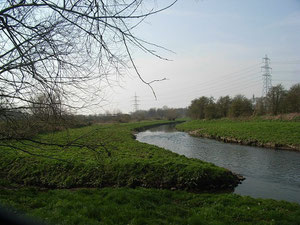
(219, 46)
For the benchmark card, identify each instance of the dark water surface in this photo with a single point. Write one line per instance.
(269, 173)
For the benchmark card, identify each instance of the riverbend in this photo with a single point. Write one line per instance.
(269, 173)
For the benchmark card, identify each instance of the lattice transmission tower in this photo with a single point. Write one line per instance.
(267, 77)
(135, 103)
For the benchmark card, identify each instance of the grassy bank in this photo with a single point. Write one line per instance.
(130, 164)
(84, 185)
(148, 206)
(264, 133)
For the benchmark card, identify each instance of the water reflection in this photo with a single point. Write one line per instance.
(163, 128)
(269, 173)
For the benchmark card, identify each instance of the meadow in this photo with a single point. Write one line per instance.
(141, 206)
(105, 156)
(101, 175)
(265, 133)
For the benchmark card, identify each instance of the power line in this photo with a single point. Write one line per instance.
(224, 77)
(286, 80)
(287, 62)
(286, 71)
(232, 89)
(230, 81)
(238, 82)
(225, 80)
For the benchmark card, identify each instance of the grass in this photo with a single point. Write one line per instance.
(273, 132)
(148, 206)
(131, 163)
(88, 187)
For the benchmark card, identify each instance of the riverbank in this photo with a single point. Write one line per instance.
(262, 133)
(86, 185)
(269, 174)
(105, 156)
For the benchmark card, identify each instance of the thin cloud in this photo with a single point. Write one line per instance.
(290, 20)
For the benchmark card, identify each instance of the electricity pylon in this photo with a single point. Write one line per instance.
(135, 103)
(267, 77)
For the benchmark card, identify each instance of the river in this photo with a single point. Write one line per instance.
(269, 173)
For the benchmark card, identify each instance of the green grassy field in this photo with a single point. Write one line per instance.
(137, 184)
(131, 163)
(140, 206)
(269, 133)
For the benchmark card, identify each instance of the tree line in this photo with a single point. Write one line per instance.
(164, 113)
(278, 101)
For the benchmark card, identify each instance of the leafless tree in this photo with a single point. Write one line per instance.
(67, 45)
(67, 48)
(45, 106)
(276, 100)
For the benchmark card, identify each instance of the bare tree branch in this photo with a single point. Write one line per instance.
(68, 45)
(56, 55)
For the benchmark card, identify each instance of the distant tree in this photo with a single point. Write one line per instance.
(276, 100)
(197, 108)
(293, 99)
(164, 113)
(240, 106)
(152, 113)
(46, 106)
(171, 114)
(210, 110)
(223, 105)
(181, 112)
(108, 113)
(4, 106)
(139, 115)
(160, 113)
(123, 118)
(260, 106)
(117, 112)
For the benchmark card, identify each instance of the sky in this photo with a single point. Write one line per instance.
(216, 50)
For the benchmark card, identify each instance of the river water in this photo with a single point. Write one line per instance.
(269, 173)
